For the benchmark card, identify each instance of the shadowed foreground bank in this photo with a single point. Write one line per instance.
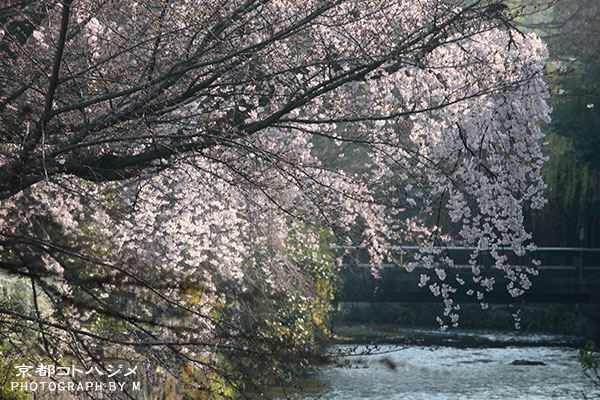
(562, 319)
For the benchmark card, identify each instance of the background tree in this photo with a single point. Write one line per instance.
(571, 219)
(158, 184)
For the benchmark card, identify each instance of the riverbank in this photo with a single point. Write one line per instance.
(559, 319)
(459, 338)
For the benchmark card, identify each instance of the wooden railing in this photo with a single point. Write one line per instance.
(566, 274)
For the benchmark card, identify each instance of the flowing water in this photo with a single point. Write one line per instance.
(432, 373)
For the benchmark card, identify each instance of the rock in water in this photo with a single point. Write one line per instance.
(527, 362)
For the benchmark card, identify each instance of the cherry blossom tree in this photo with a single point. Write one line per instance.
(171, 167)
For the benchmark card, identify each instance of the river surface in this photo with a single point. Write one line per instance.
(445, 372)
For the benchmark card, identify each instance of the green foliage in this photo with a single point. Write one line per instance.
(574, 44)
(589, 358)
(285, 326)
(570, 181)
(316, 263)
(8, 360)
(573, 135)
(572, 172)
(16, 294)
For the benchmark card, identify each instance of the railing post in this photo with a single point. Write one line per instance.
(581, 244)
(578, 264)
(581, 265)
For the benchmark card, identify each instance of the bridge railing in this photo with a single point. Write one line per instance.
(577, 259)
(567, 275)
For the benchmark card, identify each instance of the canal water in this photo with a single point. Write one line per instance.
(446, 372)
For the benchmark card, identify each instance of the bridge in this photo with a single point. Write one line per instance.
(566, 276)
